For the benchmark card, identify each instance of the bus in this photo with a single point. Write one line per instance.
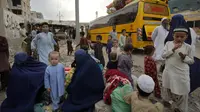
(140, 18)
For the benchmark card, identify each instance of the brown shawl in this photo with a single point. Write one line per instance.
(3, 44)
(4, 54)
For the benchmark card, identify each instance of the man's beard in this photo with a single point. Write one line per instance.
(166, 26)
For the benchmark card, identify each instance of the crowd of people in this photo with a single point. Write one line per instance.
(42, 79)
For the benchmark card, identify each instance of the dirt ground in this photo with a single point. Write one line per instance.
(138, 60)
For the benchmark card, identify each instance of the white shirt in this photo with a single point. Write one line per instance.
(114, 35)
(158, 36)
(176, 74)
(122, 41)
(194, 37)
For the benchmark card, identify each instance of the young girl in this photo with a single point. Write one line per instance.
(176, 79)
(151, 69)
(54, 79)
(116, 47)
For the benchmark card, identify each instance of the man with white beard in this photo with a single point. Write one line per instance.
(158, 36)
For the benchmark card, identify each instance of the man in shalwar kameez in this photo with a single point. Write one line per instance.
(43, 43)
(158, 36)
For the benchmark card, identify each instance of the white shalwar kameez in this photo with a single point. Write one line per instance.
(175, 79)
(44, 44)
(194, 37)
(158, 36)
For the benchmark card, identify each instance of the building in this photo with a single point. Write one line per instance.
(38, 15)
(20, 7)
(5, 4)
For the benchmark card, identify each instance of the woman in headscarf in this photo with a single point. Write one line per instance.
(177, 21)
(87, 85)
(26, 79)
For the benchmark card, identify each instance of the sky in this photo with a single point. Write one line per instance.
(87, 8)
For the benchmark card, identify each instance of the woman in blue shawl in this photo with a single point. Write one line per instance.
(177, 21)
(87, 85)
(24, 84)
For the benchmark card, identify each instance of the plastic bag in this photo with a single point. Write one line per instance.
(117, 96)
(69, 77)
(101, 67)
(39, 108)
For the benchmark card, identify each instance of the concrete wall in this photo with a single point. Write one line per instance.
(9, 28)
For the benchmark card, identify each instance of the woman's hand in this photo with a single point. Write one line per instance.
(49, 90)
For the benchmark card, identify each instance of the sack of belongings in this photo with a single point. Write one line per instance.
(39, 108)
(118, 103)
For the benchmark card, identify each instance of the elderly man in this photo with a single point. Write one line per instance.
(158, 36)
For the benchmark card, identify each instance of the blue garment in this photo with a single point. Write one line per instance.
(195, 75)
(55, 80)
(108, 48)
(112, 65)
(25, 81)
(44, 44)
(87, 85)
(178, 21)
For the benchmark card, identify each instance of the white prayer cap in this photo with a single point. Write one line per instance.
(165, 18)
(181, 29)
(146, 83)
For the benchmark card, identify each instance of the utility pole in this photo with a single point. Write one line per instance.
(96, 14)
(77, 21)
(59, 16)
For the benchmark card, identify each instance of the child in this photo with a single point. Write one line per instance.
(98, 50)
(109, 46)
(112, 64)
(129, 39)
(69, 46)
(140, 100)
(83, 42)
(116, 47)
(176, 75)
(54, 79)
(122, 39)
(151, 69)
(125, 63)
(98, 61)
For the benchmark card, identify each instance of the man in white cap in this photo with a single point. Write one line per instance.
(158, 36)
(140, 100)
